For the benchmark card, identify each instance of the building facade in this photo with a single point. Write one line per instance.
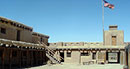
(19, 45)
(112, 50)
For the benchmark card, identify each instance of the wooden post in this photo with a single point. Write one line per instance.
(3, 56)
(36, 57)
(104, 56)
(27, 58)
(124, 57)
(97, 56)
(31, 58)
(20, 57)
(42, 57)
(121, 57)
(10, 57)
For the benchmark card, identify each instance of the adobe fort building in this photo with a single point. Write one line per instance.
(21, 47)
(112, 50)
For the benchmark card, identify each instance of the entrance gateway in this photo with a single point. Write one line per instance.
(113, 57)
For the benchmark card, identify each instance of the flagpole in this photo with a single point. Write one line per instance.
(103, 22)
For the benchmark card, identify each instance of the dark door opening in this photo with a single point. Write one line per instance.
(126, 58)
(107, 56)
(118, 57)
(34, 58)
(62, 55)
(18, 35)
(94, 56)
(1, 56)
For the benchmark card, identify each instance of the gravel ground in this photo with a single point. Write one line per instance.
(78, 66)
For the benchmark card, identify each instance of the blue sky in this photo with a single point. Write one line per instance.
(68, 20)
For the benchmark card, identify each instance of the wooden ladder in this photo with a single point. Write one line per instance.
(50, 54)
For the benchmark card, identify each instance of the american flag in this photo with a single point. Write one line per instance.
(106, 4)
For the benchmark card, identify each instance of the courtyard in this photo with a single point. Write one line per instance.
(78, 66)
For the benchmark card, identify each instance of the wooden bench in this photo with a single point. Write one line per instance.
(85, 63)
(88, 63)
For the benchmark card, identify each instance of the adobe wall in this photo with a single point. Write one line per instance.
(86, 58)
(37, 38)
(26, 36)
(101, 56)
(11, 33)
(76, 57)
(118, 33)
(26, 32)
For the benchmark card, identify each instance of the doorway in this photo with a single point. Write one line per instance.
(114, 40)
(62, 55)
(18, 35)
(113, 57)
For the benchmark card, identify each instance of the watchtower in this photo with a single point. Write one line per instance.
(113, 36)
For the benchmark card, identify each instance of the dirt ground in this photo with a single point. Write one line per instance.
(78, 66)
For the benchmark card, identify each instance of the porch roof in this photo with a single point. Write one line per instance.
(88, 47)
(19, 44)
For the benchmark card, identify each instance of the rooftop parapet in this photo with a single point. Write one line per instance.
(93, 43)
(67, 44)
(76, 44)
(89, 47)
(14, 23)
(40, 35)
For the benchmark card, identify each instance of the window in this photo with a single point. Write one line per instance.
(18, 35)
(114, 40)
(41, 39)
(3, 30)
(94, 56)
(68, 54)
(85, 54)
(14, 53)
